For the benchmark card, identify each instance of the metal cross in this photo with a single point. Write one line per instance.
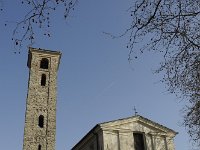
(135, 111)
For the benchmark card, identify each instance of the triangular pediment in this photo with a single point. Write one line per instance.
(137, 124)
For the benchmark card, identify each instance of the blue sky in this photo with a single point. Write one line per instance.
(96, 83)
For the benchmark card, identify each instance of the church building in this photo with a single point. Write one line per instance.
(133, 133)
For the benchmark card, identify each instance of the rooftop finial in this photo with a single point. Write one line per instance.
(135, 111)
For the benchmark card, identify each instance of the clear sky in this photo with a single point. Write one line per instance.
(96, 83)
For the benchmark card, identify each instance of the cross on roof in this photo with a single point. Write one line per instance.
(135, 111)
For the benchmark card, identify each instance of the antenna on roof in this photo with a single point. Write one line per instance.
(136, 113)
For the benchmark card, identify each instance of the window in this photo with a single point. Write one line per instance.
(41, 121)
(39, 147)
(138, 141)
(43, 80)
(44, 63)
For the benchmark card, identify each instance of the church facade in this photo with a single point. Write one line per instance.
(133, 133)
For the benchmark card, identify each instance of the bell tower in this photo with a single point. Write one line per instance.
(40, 117)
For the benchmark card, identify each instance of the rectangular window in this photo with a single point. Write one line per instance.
(139, 143)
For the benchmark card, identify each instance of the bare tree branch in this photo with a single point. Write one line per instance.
(172, 27)
(39, 16)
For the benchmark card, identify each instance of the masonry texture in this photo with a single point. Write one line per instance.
(40, 118)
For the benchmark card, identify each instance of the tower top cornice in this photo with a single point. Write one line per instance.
(44, 52)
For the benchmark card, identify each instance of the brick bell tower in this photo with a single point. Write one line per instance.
(40, 117)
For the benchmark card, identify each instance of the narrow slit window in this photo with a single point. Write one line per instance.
(43, 80)
(44, 63)
(39, 147)
(41, 121)
(139, 141)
